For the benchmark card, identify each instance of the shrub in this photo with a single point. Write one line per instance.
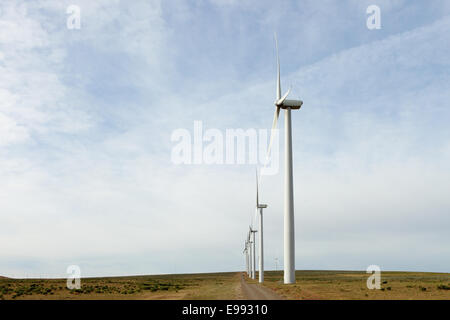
(5, 290)
(443, 287)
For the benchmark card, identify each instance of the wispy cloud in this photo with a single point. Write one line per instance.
(86, 117)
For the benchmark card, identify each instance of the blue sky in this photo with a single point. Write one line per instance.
(86, 118)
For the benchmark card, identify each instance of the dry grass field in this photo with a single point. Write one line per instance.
(227, 286)
(352, 285)
(177, 286)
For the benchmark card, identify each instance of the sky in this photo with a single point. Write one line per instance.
(87, 115)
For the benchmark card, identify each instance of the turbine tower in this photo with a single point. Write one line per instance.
(260, 207)
(250, 254)
(246, 257)
(253, 244)
(289, 239)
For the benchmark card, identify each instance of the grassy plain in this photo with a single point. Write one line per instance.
(350, 285)
(175, 286)
(227, 286)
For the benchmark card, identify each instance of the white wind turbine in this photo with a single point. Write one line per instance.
(260, 207)
(253, 252)
(249, 254)
(289, 240)
(246, 257)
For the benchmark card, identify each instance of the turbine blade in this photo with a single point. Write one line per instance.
(274, 125)
(278, 70)
(280, 101)
(257, 200)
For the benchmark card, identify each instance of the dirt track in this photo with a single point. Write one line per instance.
(257, 292)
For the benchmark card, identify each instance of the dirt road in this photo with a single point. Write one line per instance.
(257, 292)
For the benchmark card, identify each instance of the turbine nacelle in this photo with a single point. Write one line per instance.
(284, 103)
(287, 103)
(281, 102)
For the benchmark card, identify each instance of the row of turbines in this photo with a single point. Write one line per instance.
(289, 240)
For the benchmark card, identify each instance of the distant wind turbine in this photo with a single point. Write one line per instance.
(289, 240)
(253, 260)
(260, 207)
(246, 256)
(249, 246)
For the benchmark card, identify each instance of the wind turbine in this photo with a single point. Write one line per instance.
(253, 244)
(289, 240)
(246, 256)
(260, 207)
(249, 270)
(250, 254)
